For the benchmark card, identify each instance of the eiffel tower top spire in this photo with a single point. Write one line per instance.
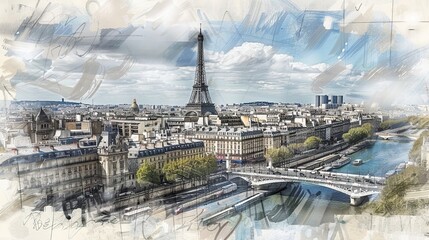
(200, 103)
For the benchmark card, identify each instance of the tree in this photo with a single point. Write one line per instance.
(296, 147)
(173, 170)
(369, 128)
(147, 172)
(190, 168)
(357, 134)
(278, 154)
(312, 142)
(395, 123)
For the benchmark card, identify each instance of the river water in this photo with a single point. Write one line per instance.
(300, 207)
(383, 156)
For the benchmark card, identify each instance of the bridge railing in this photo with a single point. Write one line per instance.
(346, 185)
(312, 174)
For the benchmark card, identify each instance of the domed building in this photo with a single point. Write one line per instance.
(135, 106)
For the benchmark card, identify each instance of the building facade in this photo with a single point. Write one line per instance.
(59, 170)
(147, 126)
(160, 153)
(241, 144)
(113, 157)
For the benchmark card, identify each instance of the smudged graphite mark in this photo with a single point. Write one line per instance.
(298, 33)
(207, 25)
(114, 38)
(87, 84)
(358, 8)
(7, 91)
(182, 52)
(356, 47)
(114, 73)
(328, 75)
(26, 28)
(317, 38)
(8, 70)
(338, 47)
(400, 66)
(112, 14)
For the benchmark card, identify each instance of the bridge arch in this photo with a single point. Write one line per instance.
(231, 177)
(356, 192)
(267, 182)
(355, 198)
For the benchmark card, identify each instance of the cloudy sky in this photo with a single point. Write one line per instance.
(255, 50)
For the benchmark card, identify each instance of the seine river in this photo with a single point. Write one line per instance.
(380, 158)
(300, 207)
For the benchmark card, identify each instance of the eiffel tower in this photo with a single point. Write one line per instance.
(200, 103)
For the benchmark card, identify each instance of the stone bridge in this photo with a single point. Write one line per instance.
(356, 186)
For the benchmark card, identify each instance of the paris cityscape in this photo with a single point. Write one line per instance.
(104, 137)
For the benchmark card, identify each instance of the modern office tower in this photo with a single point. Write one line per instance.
(340, 100)
(334, 100)
(317, 101)
(324, 99)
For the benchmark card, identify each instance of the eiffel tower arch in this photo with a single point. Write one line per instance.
(200, 103)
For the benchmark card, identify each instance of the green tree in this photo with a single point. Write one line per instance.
(395, 123)
(278, 154)
(369, 128)
(296, 147)
(357, 134)
(190, 168)
(312, 142)
(148, 173)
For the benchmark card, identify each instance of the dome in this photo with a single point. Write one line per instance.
(134, 106)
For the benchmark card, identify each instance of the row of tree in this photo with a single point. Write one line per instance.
(415, 152)
(181, 169)
(282, 153)
(421, 122)
(393, 123)
(357, 134)
(190, 168)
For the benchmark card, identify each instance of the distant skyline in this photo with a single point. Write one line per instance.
(280, 51)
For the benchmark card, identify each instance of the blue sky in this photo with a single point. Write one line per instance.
(280, 51)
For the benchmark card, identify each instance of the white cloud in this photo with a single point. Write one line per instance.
(247, 55)
(257, 56)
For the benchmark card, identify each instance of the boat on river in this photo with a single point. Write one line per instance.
(340, 162)
(357, 162)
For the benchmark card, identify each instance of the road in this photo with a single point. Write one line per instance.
(351, 183)
(293, 172)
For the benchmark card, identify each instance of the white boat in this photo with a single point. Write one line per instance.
(357, 162)
(341, 162)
